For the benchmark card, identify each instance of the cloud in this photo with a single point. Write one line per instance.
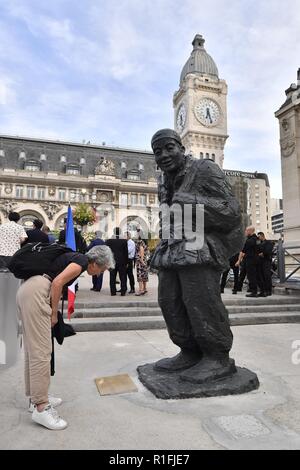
(107, 70)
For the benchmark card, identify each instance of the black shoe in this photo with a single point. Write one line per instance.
(222, 291)
(123, 293)
(92, 288)
(268, 294)
(253, 294)
(262, 294)
(132, 291)
(234, 291)
(113, 294)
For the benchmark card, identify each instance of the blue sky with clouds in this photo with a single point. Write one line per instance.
(106, 70)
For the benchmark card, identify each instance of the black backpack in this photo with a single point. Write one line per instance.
(35, 259)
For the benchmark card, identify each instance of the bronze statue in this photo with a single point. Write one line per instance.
(189, 276)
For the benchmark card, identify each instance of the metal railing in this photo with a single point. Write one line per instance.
(283, 252)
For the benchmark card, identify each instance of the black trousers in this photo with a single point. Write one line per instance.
(97, 282)
(130, 274)
(192, 307)
(265, 275)
(242, 276)
(224, 276)
(121, 269)
(252, 274)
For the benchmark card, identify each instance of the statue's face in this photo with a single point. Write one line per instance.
(169, 154)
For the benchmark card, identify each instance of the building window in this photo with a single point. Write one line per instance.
(213, 156)
(123, 165)
(134, 199)
(201, 155)
(207, 155)
(133, 177)
(141, 167)
(72, 170)
(256, 186)
(257, 195)
(257, 213)
(30, 192)
(143, 199)
(258, 222)
(32, 167)
(19, 191)
(257, 204)
(61, 194)
(41, 192)
(124, 199)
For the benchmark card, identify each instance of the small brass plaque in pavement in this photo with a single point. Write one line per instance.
(115, 384)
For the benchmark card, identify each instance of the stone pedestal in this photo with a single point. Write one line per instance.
(168, 385)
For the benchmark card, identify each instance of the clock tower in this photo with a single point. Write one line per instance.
(288, 116)
(200, 110)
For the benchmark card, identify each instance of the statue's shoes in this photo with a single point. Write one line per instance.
(181, 361)
(208, 370)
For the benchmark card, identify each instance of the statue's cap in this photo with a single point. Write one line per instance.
(165, 134)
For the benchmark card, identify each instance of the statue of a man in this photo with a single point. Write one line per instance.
(189, 280)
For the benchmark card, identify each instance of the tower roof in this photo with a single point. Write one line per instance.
(199, 61)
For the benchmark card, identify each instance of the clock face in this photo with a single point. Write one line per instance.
(207, 112)
(181, 117)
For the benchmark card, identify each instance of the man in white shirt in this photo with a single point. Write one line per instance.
(12, 235)
(131, 256)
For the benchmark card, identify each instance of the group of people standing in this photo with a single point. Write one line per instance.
(128, 254)
(255, 262)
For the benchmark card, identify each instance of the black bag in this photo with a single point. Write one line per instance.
(35, 258)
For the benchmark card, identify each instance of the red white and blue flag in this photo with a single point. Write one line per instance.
(71, 243)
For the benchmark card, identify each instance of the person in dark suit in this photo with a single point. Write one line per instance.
(79, 240)
(232, 263)
(97, 280)
(120, 251)
(36, 234)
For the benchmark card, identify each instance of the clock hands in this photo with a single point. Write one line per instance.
(208, 115)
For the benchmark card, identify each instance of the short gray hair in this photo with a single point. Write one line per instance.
(101, 255)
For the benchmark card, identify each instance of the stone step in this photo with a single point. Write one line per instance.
(157, 322)
(155, 311)
(235, 300)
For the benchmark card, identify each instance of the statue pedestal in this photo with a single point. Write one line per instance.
(168, 385)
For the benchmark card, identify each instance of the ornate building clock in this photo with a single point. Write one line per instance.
(207, 111)
(200, 106)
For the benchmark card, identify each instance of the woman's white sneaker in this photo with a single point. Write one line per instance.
(49, 418)
(54, 401)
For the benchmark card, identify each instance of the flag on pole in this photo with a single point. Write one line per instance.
(71, 243)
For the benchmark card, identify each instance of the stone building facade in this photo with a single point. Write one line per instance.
(39, 178)
(289, 127)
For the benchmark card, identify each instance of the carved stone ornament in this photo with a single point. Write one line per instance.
(105, 167)
(104, 196)
(285, 124)
(8, 188)
(287, 147)
(7, 206)
(51, 191)
(51, 209)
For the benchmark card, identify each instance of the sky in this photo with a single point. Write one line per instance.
(106, 70)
